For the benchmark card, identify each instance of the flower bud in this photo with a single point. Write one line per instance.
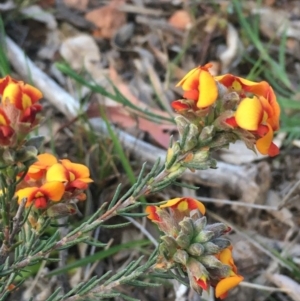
(211, 248)
(9, 156)
(181, 256)
(169, 241)
(204, 236)
(163, 265)
(222, 243)
(211, 262)
(206, 134)
(200, 223)
(191, 139)
(218, 229)
(187, 226)
(196, 249)
(182, 123)
(201, 160)
(61, 210)
(197, 271)
(183, 241)
(27, 153)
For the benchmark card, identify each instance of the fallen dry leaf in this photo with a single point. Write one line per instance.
(76, 4)
(108, 19)
(181, 19)
(80, 51)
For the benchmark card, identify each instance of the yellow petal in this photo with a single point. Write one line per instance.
(226, 284)
(171, 203)
(263, 144)
(13, 94)
(190, 80)
(28, 193)
(53, 190)
(208, 90)
(249, 114)
(57, 172)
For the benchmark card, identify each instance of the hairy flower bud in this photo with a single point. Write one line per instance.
(211, 248)
(183, 241)
(196, 249)
(222, 243)
(211, 262)
(206, 134)
(204, 236)
(200, 224)
(181, 257)
(187, 226)
(218, 229)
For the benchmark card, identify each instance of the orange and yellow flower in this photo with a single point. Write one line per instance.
(38, 169)
(233, 279)
(152, 213)
(184, 204)
(200, 90)
(181, 205)
(41, 196)
(258, 113)
(18, 93)
(72, 174)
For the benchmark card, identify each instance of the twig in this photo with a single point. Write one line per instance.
(9, 236)
(143, 230)
(263, 287)
(288, 195)
(242, 204)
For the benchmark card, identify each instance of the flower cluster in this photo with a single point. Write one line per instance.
(231, 104)
(18, 110)
(194, 247)
(49, 181)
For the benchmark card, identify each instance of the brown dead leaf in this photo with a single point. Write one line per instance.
(108, 19)
(181, 19)
(77, 4)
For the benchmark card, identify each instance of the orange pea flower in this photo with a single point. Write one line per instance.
(256, 115)
(200, 87)
(233, 279)
(18, 93)
(41, 196)
(38, 169)
(73, 174)
(261, 89)
(6, 131)
(152, 213)
(184, 204)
